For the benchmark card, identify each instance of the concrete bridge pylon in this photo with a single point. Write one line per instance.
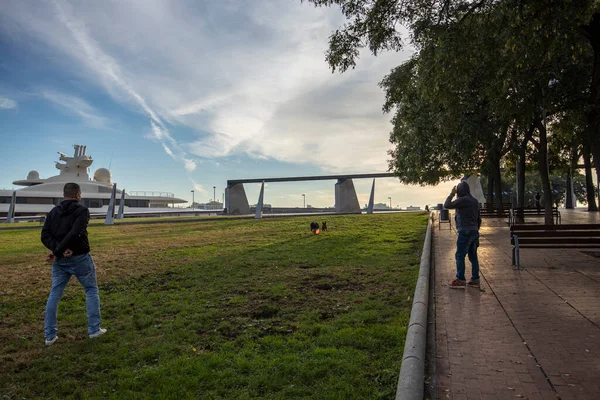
(346, 200)
(236, 201)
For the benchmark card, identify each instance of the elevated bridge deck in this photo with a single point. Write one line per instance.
(232, 182)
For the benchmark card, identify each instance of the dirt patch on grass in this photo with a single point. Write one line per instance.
(329, 282)
(303, 266)
(352, 286)
(265, 311)
(318, 276)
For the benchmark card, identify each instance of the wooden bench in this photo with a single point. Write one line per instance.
(552, 237)
(493, 205)
(489, 210)
(515, 213)
(497, 213)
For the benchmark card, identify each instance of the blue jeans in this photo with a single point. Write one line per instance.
(82, 266)
(467, 244)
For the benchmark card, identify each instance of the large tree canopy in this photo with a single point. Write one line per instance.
(487, 77)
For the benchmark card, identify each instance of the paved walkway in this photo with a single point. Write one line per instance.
(529, 334)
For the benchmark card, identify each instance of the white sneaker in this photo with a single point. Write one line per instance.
(99, 332)
(51, 340)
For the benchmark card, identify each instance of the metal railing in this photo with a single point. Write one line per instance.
(151, 194)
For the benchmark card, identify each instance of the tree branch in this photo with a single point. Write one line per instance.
(471, 10)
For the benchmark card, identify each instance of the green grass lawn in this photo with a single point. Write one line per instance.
(231, 309)
(127, 220)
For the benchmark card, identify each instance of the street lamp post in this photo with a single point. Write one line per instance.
(214, 196)
(390, 199)
(192, 198)
(304, 200)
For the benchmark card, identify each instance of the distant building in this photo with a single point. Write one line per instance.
(413, 208)
(266, 207)
(211, 205)
(381, 206)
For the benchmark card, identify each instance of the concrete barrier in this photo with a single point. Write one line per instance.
(411, 383)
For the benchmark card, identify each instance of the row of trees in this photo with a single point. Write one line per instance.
(492, 83)
(558, 181)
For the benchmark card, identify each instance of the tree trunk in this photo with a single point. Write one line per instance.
(572, 169)
(498, 185)
(490, 190)
(593, 116)
(544, 175)
(521, 163)
(595, 150)
(569, 197)
(569, 191)
(521, 179)
(521, 184)
(589, 182)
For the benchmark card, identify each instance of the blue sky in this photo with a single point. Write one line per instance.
(182, 95)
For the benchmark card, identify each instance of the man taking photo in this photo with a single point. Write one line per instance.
(468, 222)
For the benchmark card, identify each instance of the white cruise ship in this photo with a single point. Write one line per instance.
(40, 195)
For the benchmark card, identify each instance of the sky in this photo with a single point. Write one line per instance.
(175, 96)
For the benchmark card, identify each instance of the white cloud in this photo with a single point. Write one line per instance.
(77, 42)
(74, 105)
(168, 151)
(6, 103)
(158, 133)
(89, 52)
(190, 165)
(202, 104)
(197, 187)
(246, 78)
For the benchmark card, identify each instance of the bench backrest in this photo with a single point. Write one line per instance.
(492, 206)
(556, 235)
(560, 228)
(531, 209)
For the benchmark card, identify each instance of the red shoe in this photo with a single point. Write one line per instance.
(457, 284)
(474, 283)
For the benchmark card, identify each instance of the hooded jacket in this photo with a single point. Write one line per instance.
(66, 228)
(467, 208)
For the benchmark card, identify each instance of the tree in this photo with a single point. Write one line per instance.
(592, 34)
(374, 24)
(439, 98)
(515, 65)
(567, 147)
(429, 137)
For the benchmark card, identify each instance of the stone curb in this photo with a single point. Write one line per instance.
(411, 382)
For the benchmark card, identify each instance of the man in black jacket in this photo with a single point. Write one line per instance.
(65, 234)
